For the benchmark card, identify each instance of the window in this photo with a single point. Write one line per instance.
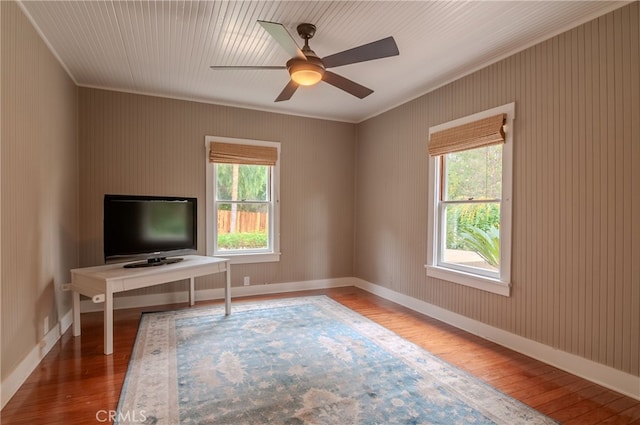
(242, 199)
(469, 233)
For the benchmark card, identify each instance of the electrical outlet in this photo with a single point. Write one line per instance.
(46, 325)
(247, 281)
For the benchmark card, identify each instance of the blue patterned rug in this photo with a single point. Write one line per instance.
(297, 361)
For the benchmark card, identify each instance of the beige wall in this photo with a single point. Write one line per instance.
(135, 144)
(39, 187)
(576, 235)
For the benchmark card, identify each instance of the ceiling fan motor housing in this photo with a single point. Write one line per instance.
(310, 71)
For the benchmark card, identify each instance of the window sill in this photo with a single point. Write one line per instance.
(250, 258)
(467, 279)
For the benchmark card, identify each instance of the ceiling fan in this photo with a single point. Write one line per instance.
(307, 69)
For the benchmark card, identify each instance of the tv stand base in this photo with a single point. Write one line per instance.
(153, 262)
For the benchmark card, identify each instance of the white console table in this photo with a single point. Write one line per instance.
(101, 282)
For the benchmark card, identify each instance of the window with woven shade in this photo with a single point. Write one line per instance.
(242, 199)
(469, 238)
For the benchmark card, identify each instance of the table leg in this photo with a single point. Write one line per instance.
(227, 290)
(192, 291)
(108, 322)
(76, 313)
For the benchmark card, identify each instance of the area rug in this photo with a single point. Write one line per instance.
(303, 360)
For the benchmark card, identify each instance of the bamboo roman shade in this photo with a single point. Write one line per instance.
(476, 134)
(235, 153)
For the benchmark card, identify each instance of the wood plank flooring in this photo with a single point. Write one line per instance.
(77, 384)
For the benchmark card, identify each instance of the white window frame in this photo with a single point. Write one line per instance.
(272, 255)
(439, 269)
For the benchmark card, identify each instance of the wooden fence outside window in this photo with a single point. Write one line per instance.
(246, 222)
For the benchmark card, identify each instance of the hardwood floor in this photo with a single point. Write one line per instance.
(77, 384)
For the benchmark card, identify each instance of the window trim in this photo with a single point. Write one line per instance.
(210, 227)
(434, 268)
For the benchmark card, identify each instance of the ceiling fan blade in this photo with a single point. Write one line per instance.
(232, 67)
(282, 36)
(347, 85)
(288, 91)
(375, 50)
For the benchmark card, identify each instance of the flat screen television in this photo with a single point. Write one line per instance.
(149, 228)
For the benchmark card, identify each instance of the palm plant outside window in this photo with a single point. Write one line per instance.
(471, 190)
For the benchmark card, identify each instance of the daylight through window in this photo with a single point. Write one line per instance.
(470, 210)
(470, 200)
(242, 206)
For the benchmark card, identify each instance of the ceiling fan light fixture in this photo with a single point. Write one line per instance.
(306, 73)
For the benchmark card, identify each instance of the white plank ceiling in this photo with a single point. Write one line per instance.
(165, 48)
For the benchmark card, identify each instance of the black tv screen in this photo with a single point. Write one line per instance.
(149, 227)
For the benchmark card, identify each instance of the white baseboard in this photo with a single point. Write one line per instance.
(12, 383)
(606, 376)
(135, 301)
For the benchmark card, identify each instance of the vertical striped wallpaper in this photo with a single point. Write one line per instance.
(134, 144)
(38, 187)
(576, 235)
